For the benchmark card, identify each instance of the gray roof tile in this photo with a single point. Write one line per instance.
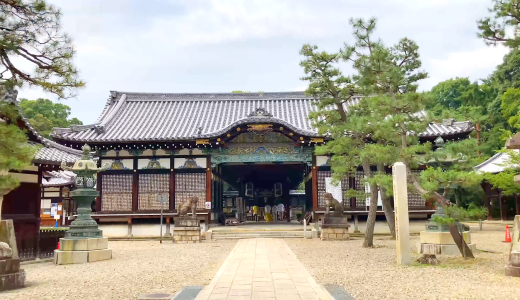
(140, 117)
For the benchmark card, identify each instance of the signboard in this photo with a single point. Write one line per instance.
(54, 209)
(335, 190)
(56, 217)
(162, 198)
(207, 205)
(60, 207)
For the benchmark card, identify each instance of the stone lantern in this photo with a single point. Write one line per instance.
(84, 241)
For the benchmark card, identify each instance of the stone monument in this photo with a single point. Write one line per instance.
(437, 239)
(513, 267)
(11, 276)
(84, 242)
(335, 224)
(402, 221)
(187, 229)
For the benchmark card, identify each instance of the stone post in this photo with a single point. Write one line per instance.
(402, 229)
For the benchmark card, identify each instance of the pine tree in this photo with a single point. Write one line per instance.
(383, 126)
(30, 35)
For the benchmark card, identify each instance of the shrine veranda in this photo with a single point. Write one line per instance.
(218, 147)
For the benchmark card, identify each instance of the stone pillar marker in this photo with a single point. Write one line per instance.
(402, 228)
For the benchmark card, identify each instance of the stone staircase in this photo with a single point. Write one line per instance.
(252, 234)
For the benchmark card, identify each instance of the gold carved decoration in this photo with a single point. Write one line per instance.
(218, 140)
(238, 129)
(228, 135)
(281, 128)
(290, 133)
(202, 142)
(301, 138)
(316, 140)
(260, 127)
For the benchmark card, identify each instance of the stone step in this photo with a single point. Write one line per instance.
(255, 234)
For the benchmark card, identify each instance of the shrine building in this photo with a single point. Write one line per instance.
(226, 149)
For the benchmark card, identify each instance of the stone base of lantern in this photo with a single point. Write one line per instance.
(334, 234)
(186, 230)
(442, 243)
(439, 249)
(513, 268)
(82, 251)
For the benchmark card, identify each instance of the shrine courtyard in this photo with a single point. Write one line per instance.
(141, 267)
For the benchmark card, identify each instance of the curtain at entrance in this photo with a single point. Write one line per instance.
(188, 185)
(117, 192)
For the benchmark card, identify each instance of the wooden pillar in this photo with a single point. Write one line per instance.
(314, 184)
(502, 217)
(168, 230)
(135, 190)
(38, 211)
(208, 179)
(352, 185)
(489, 207)
(129, 227)
(172, 184)
(99, 187)
(517, 204)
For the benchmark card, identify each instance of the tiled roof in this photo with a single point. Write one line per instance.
(51, 152)
(139, 117)
(54, 153)
(58, 178)
(497, 163)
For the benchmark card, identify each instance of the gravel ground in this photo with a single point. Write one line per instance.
(138, 267)
(373, 273)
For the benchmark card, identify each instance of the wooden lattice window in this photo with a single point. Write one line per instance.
(322, 190)
(188, 185)
(117, 192)
(415, 199)
(150, 185)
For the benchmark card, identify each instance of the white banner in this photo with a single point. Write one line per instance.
(367, 190)
(334, 190)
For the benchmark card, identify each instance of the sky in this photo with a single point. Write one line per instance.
(203, 46)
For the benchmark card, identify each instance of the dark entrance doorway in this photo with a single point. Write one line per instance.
(261, 185)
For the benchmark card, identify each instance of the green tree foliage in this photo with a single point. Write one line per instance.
(506, 16)
(505, 180)
(15, 152)
(30, 36)
(43, 114)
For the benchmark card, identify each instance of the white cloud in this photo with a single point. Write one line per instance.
(475, 64)
(225, 45)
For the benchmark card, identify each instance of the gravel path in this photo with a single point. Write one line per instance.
(373, 274)
(138, 267)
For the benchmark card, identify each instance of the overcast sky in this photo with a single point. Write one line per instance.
(224, 45)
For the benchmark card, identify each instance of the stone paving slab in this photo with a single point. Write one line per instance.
(262, 269)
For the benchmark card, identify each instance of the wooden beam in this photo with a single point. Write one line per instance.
(314, 184)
